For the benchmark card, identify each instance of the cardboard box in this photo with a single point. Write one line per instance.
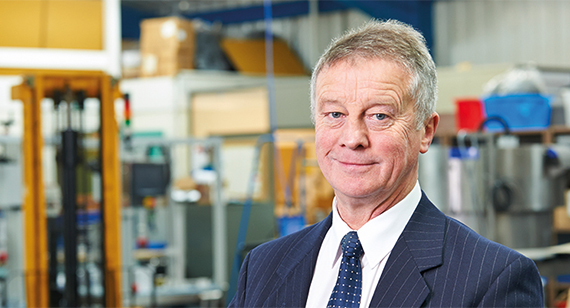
(237, 112)
(167, 46)
(561, 220)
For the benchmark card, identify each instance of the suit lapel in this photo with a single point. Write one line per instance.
(418, 249)
(296, 270)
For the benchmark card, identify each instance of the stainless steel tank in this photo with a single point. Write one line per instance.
(453, 180)
(523, 195)
(507, 195)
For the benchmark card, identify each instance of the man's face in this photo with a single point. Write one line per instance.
(367, 143)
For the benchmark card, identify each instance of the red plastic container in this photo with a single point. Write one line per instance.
(469, 114)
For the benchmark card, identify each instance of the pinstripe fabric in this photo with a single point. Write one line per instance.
(279, 273)
(437, 262)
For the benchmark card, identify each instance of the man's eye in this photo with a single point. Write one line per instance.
(380, 116)
(336, 115)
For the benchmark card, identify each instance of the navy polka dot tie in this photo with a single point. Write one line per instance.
(347, 291)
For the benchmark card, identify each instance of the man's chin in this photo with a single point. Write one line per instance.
(358, 192)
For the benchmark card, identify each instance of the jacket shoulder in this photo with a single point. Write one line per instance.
(267, 267)
(460, 236)
(479, 272)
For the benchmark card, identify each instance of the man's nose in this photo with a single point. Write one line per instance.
(355, 134)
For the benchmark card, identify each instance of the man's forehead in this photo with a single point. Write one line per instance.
(357, 61)
(368, 72)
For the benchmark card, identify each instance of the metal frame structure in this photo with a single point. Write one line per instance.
(219, 215)
(31, 92)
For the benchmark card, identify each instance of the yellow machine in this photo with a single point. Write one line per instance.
(38, 85)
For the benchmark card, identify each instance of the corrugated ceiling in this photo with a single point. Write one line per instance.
(173, 7)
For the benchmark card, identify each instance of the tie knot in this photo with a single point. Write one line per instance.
(351, 246)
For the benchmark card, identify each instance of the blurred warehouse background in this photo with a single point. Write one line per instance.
(147, 145)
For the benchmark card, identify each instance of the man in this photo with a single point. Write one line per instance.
(384, 244)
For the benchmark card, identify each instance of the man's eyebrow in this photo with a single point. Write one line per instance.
(329, 101)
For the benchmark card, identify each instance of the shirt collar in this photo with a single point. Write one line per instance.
(379, 235)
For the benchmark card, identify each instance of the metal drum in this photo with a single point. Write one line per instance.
(453, 180)
(507, 195)
(523, 196)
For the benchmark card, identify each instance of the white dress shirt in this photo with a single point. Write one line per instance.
(378, 237)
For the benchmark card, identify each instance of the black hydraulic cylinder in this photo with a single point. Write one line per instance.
(69, 193)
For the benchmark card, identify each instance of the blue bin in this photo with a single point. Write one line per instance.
(290, 224)
(520, 111)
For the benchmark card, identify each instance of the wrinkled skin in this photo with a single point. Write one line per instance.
(367, 140)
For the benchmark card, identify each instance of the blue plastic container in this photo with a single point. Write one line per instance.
(520, 111)
(290, 224)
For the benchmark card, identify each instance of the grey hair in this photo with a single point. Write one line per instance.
(390, 40)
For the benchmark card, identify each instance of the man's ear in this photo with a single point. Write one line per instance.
(428, 132)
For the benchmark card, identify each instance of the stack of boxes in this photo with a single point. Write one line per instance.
(167, 46)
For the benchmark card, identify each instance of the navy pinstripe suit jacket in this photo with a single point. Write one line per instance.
(436, 262)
